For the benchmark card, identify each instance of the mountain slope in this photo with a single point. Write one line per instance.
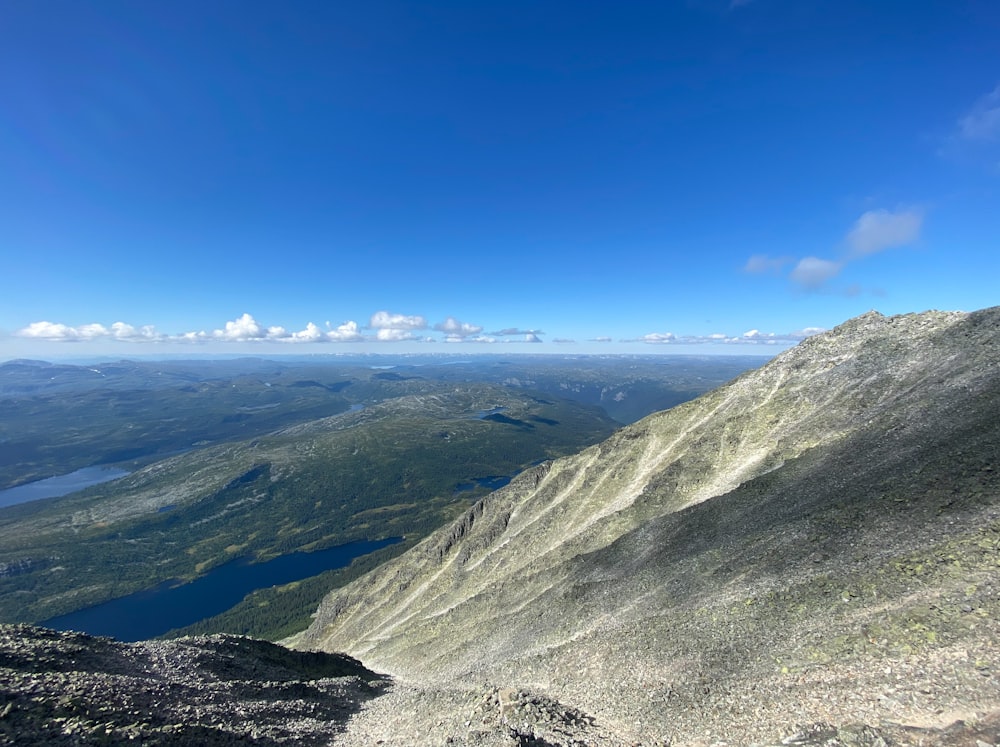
(817, 541)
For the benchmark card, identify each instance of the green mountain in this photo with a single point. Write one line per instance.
(816, 542)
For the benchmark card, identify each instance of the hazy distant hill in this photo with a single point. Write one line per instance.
(59, 417)
(817, 541)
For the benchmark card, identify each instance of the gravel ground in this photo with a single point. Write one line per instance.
(61, 688)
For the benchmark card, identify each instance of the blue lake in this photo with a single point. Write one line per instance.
(152, 612)
(53, 487)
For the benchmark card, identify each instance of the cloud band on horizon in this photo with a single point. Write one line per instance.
(388, 328)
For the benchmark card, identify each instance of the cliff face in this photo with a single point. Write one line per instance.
(819, 540)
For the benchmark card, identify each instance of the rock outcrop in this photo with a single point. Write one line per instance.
(73, 689)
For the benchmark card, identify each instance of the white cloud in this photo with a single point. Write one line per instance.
(454, 328)
(878, 230)
(346, 332)
(772, 338)
(243, 329)
(659, 338)
(983, 120)
(53, 331)
(385, 320)
(123, 331)
(873, 232)
(813, 272)
(247, 329)
(240, 330)
(90, 331)
(47, 331)
(389, 334)
(975, 137)
(755, 336)
(84, 332)
(311, 333)
(472, 338)
(761, 264)
(750, 337)
(514, 331)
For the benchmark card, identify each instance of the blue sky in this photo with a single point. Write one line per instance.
(673, 176)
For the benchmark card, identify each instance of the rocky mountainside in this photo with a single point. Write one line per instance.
(816, 542)
(63, 688)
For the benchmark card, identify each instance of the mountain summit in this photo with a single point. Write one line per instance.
(816, 542)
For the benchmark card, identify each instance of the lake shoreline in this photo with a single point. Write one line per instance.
(169, 605)
(60, 485)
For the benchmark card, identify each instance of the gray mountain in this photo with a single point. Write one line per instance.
(817, 542)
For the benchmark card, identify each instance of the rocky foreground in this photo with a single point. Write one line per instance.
(69, 689)
(61, 688)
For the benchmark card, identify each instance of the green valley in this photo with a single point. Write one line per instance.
(272, 458)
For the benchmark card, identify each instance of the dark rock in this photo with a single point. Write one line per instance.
(63, 688)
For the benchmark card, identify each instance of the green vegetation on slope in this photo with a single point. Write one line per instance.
(390, 469)
(55, 419)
